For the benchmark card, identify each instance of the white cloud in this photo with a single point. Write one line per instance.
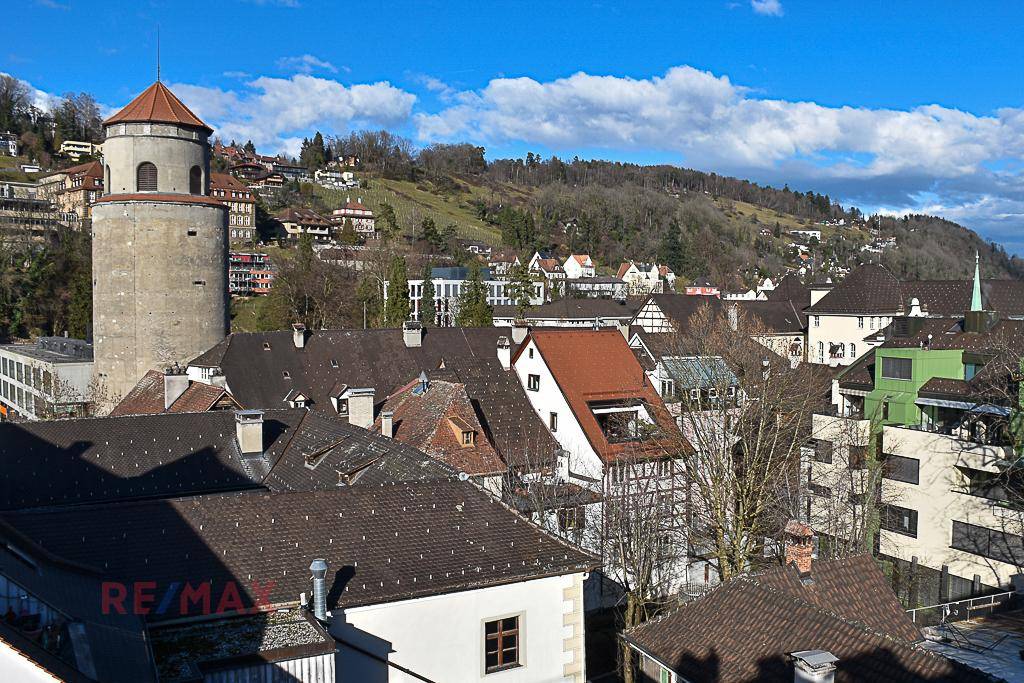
(305, 64)
(275, 113)
(769, 8)
(871, 156)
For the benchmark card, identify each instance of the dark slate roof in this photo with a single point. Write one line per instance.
(869, 289)
(572, 308)
(746, 629)
(68, 462)
(780, 317)
(254, 366)
(102, 647)
(382, 543)
(861, 374)
(872, 290)
(790, 288)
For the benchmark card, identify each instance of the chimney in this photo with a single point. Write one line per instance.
(412, 333)
(387, 424)
(519, 331)
(299, 335)
(814, 666)
(623, 326)
(504, 352)
(249, 431)
(799, 546)
(175, 384)
(319, 569)
(360, 407)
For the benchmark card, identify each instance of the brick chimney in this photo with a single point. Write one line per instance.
(299, 335)
(412, 334)
(799, 545)
(249, 432)
(387, 424)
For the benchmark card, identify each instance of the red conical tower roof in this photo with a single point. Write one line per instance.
(157, 104)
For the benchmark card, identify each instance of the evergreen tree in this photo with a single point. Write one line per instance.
(520, 288)
(671, 249)
(430, 234)
(396, 308)
(474, 311)
(348, 233)
(428, 312)
(249, 148)
(386, 217)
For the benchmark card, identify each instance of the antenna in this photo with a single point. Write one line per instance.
(158, 53)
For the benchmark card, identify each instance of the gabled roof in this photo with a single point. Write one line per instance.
(75, 462)
(226, 181)
(382, 543)
(301, 216)
(790, 288)
(779, 317)
(746, 629)
(148, 398)
(253, 365)
(598, 365)
(421, 421)
(157, 104)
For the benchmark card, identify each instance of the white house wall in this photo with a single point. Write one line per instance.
(441, 638)
(840, 329)
(583, 459)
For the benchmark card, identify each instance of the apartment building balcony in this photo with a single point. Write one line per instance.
(953, 446)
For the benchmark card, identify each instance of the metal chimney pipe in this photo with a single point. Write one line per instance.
(319, 569)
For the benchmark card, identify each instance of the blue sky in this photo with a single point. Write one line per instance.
(890, 105)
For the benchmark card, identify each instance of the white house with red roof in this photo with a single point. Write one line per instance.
(362, 217)
(579, 265)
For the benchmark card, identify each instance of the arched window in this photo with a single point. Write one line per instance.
(821, 352)
(195, 180)
(145, 177)
(106, 180)
(853, 350)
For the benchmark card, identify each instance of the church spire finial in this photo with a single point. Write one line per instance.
(976, 296)
(158, 53)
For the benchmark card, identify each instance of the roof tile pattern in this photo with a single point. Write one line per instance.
(745, 630)
(421, 419)
(157, 104)
(382, 543)
(598, 365)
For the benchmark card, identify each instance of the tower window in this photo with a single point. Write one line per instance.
(145, 177)
(195, 180)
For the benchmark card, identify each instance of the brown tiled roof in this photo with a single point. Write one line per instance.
(91, 169)
(861, 374)
(162, 197)
(226, 181)
(598, 365)
(69, 462)
(254, 366)
(746, 629)
(382, 543)
(421, 421)
(157, 104)
(148, 398)
(301, 216)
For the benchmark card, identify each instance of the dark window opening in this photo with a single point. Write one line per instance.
(533, 382)
(989, 543)
(899, 468)
(195, 180)
(192, 232)
(501, 644)
(897, 368)
(900, 520)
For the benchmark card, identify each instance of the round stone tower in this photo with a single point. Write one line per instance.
(159, 249)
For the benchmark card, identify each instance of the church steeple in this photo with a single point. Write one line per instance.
(976, 296)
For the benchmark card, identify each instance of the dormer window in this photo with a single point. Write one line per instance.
(266, 346)
(342, 406)
(463, 431)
